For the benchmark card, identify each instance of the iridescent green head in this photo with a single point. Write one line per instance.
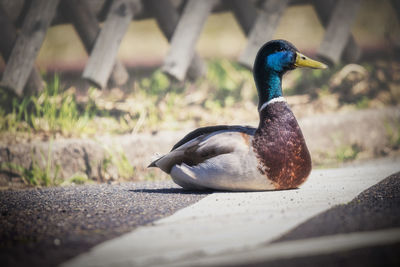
(274, 59)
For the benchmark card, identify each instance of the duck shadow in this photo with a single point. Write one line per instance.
(195, 192)
(171, 191)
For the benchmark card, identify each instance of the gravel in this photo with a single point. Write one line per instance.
(44, 227)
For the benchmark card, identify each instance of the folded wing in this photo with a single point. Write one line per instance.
(202, 144)
(219, 159)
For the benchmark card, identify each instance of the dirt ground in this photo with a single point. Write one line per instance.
(333, 139)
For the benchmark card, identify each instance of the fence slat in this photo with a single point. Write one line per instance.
(396, 6)
(245, 13)
(8, 32)
(338, 30)
(87, 27)
(183, 42)
(263, 30)
(21, 61)
(324, 10)
(167, 19)
(104, 53)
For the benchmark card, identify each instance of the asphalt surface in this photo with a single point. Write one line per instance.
(44, 227)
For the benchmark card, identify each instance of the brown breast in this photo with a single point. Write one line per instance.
(281, 148)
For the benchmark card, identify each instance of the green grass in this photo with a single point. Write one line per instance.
(393, 134)
(347, 153)
(116, 158)
(52, 111)
(226, 81)
(155, 103)
(363, 103)
(77, 179)
(44, 174)
(310, 82)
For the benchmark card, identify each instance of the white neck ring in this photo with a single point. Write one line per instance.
(273, 100)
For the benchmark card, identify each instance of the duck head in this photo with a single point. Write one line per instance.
(272, 61)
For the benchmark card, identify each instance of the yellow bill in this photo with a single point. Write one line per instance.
(303, 61)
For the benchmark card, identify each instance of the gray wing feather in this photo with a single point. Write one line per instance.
(202, 148)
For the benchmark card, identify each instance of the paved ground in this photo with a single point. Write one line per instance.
(229, 229)
(45, 227)
(283, 228)
(376, 208)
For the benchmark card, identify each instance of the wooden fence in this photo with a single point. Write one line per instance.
(24, 24)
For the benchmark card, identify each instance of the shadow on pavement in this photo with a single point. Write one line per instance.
(171, 191)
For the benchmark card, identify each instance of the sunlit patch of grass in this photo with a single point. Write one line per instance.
(393, 134)
(77, 179)
(51, 111)
(160, 104)
(125, 169)
(57, 111)
(363, 103)
(348, 152)
(226, 80)
(310, 82)
(115, 164)
(156, 103)
(151, 175)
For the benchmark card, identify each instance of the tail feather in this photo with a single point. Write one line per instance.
(166, 162)
(156, 157)
(153, 164)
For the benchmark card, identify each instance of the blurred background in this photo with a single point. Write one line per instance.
(71, 129)
(375, 28)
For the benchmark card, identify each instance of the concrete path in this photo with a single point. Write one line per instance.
(224, 224)
(299, 248)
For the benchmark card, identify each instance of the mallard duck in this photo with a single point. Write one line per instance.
(273, 156)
